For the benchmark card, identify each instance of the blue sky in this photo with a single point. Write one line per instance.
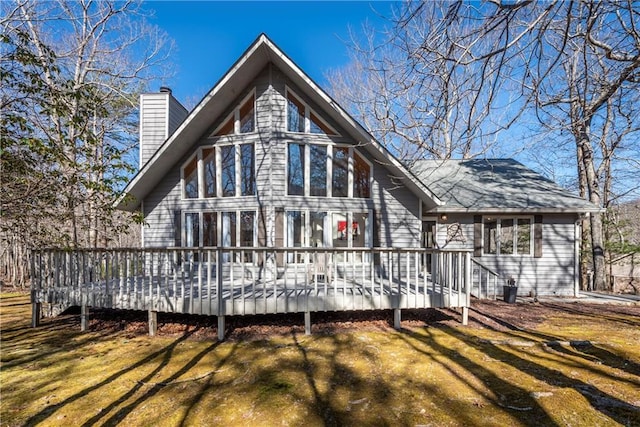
(211, 35)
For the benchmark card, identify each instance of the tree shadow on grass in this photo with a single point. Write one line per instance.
(609, 405)
(586, 350)
(156, 387)
(165, 353)
(511, 397)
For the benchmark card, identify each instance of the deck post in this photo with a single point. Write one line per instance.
(465, 315)
(153, 323)
(84, 317)
(36, 310)
(397, 318)
(307, 323)
(221, 328)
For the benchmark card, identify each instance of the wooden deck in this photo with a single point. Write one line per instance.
(248, 281)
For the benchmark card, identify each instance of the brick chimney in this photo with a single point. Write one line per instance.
(160, 116)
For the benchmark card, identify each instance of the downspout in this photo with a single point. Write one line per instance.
(577, 237)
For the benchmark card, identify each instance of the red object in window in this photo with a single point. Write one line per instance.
(342, 229)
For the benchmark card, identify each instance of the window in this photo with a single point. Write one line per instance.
(340, 177)
(325, 170)
(192, 229)
(241, 120)
(228, 156)
(190, 172)
(209, 229)
(229, 229)
(295, 167)
(295, 114)
(247, 116)
(209, 172)
(507, 236)
(301, 118)
(361, 177)
(317, 221)
(247, 176)
(295, 229)
(318, 170)
(223, 166)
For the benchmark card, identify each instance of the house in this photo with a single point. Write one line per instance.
(269, 197)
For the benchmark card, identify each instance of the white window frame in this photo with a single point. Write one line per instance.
(515, 218)
(236, 117)
(307, 116)
(199, 173)
(327, 229)
(329, 184)
(218, 160)
(219, 219)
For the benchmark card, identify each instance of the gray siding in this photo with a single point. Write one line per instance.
(396, 209)
(160, 116)
(551, 274)
(153, 124)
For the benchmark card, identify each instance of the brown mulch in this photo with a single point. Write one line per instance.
(496, 315)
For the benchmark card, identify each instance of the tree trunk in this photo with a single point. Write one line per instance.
(595, 221)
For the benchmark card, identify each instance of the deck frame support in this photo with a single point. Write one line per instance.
(307, 323)
(465, 316)
(221, 328)
(84, 317)
(397, 318)
(36, 311)
(153, 323)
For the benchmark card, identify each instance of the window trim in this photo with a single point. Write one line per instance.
(218, 215)
(515, 218)
(199, 154)
(351, 151)
(328, 234)
(235, 113)
(183, 189)
(307, 116)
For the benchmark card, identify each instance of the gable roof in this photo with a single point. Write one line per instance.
(262, 52)
(494, 186)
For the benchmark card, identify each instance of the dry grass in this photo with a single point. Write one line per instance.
(429, 374)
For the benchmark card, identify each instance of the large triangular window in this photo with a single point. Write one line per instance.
(241, 120)
(301, 118)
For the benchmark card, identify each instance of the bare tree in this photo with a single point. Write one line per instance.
(447, 78)
(586, 80)
(77, 70)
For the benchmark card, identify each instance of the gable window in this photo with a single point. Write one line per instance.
(317, 170)
(224, 171)
(295, 165)
(340, 177)
(247, 177)
(190, 172)
(361, 177)
(327, 171)
(507, 236)
(228, 164)
(241, 120)
(301, 118)
(209, 156)
(295, 114)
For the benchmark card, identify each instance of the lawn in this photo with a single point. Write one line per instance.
(516, 365)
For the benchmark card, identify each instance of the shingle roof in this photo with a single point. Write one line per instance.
(495, 185)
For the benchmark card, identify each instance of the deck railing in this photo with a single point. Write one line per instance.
(238, 281)
(484, 282)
